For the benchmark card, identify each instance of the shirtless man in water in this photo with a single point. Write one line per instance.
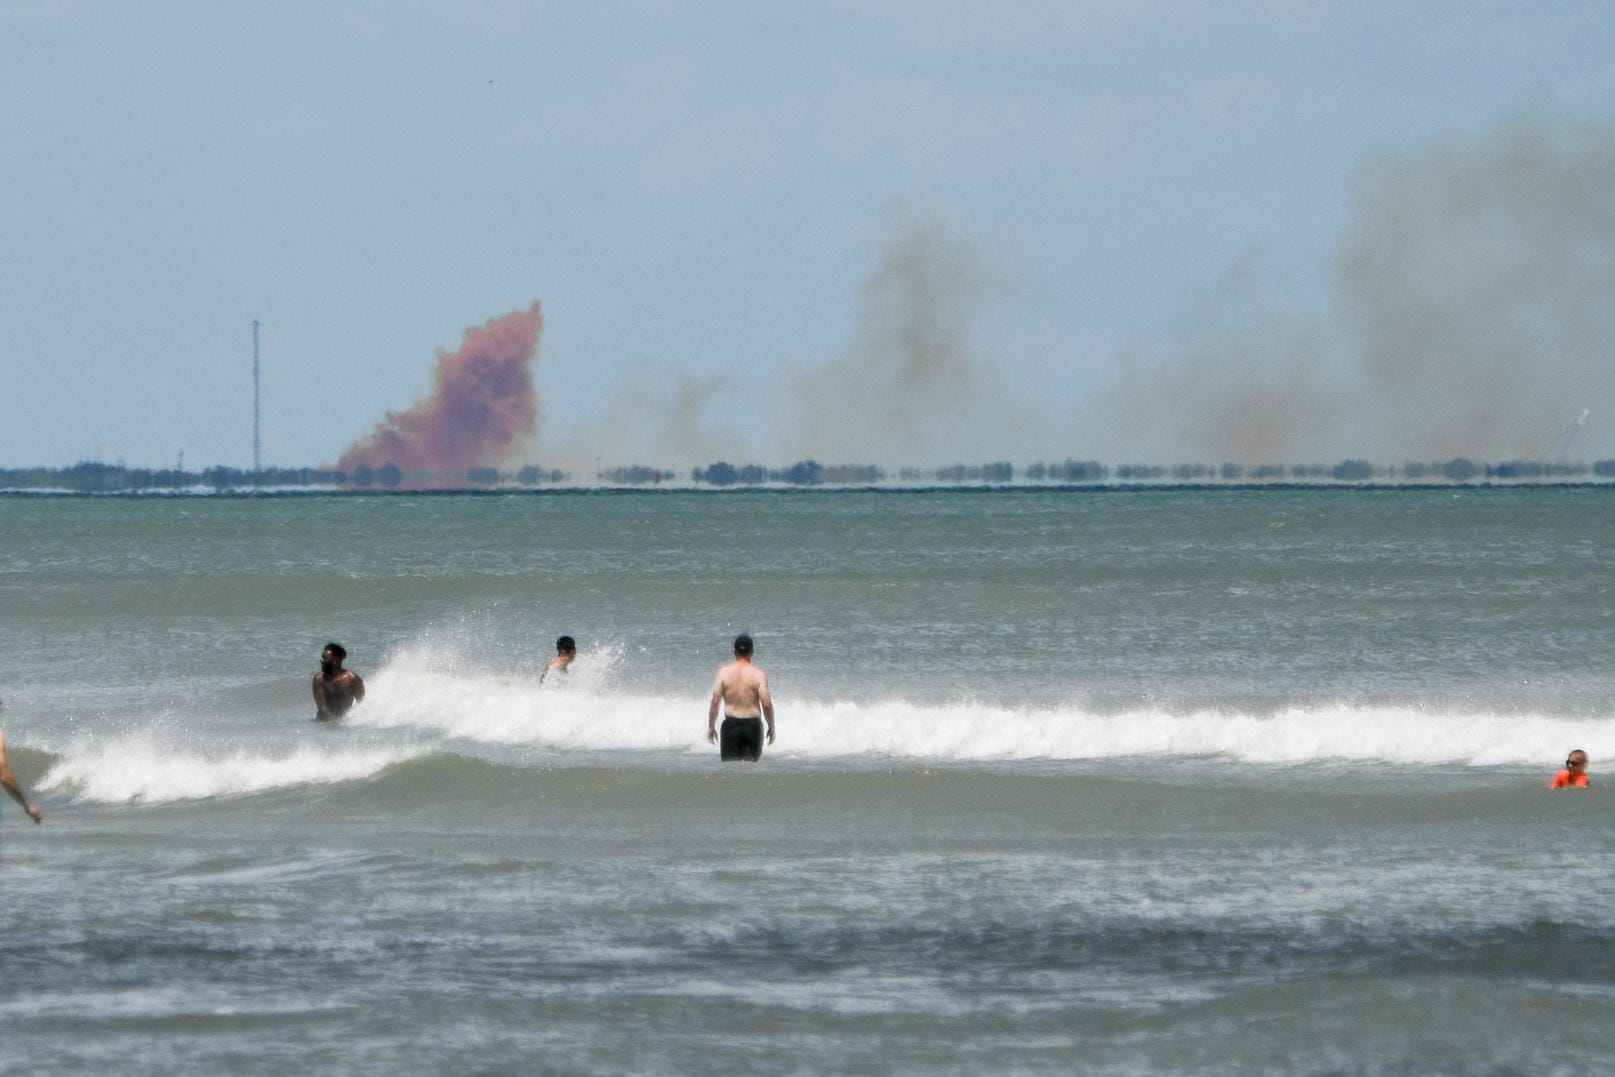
(742, 688)
(336, 690)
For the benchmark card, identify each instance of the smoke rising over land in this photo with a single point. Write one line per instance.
(1472, 314)
(1480, 289)
(1468, 312)
(656, 419)
(908, 383)
(482, 406)
(910, 364)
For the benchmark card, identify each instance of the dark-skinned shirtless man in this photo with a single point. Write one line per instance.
(336, 690)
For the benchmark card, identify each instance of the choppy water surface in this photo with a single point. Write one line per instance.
(1125, 781)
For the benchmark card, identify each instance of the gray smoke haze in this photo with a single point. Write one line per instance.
(1480, 289)
(1473, 314)
(910, 365)
(1237, 379)
(1469, 311)
(901, 396)
(658, 421)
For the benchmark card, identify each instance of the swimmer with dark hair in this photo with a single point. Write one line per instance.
(742, 688)
(336, 690)
(566, 652)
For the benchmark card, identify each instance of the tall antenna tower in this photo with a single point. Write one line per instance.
(257, 462)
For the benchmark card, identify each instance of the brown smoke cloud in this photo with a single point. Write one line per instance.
(1473, 313)
(482, 404)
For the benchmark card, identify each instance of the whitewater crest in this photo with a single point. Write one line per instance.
(416, 709)
(138, 769)
(590, 716)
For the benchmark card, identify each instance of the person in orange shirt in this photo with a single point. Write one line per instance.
(1574, 776)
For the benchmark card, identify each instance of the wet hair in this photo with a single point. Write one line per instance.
(566, 645)
(743, 645)
(337, 649)
(1575, 752)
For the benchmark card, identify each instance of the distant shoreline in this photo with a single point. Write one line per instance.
(94, 478)
(579, 490)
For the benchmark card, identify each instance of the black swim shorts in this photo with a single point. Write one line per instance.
(740, 739)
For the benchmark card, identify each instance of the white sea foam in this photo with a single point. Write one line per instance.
(138, 769)
(412, 711)
(514, 711)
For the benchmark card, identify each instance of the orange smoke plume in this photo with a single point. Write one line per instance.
(482, 402)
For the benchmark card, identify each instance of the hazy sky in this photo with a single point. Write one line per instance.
(907, 232)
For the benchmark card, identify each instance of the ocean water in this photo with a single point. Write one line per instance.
(1122, 781)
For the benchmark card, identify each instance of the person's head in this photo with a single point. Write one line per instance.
(333, 656)
(743, 646)
(1576, 762)
(566, 645)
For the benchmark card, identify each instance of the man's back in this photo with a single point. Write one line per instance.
(743, 688)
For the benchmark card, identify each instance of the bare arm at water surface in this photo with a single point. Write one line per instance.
(712, 708)
(322, 709)
(768, 704)
(9, 780)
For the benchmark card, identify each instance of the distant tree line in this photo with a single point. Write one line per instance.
(88, 477)
(390, 477)
(96, 478)
(801, 473)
